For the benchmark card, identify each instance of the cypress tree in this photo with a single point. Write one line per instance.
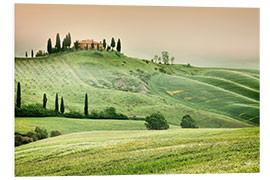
(69, 40)
(104, 44)
(56, 103)
(32, 53)
(44, 100)
(92, 45)
(118, 47)
(76, 45)
(58, 43)
(49, 46)
(26, 54)
(86, 105)
(18, 100)
(113, 43)
(98, 47)
(62, 107)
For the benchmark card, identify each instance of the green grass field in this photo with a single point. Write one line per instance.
(174, 151)
(214, 97)
(225, 103)
(71, 125)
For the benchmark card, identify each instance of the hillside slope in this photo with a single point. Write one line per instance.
(174, 151)
(214, 97)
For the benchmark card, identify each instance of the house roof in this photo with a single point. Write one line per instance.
(88, 41)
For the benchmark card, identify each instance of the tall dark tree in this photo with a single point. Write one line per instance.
(113, 43)
(49, 46)
(76, 45)
(104, 44)
(92, 45)
(98, 47)
(56, 103)
(69, 40)
(32, 53)
(44, 100)
(18, 99)
(86, 105)
(62, 106)
(26, 54)
(118, 47)
(64, 44)
(58, 43)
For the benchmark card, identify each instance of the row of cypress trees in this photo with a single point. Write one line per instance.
(62, 106)
(66, 43)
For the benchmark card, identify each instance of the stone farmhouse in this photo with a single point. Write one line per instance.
(84, 43)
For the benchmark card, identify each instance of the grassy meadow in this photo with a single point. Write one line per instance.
(225, 104)
(174, 151)
(73, 125)
(214, 97)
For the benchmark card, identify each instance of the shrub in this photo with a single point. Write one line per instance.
(156, 121)
(41, 133)
(18, 139)
(188, 122)
(93, 115)
(74, 115)
(32, 135)
(34, 110)
(55, 133)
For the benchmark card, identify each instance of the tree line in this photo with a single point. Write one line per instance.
(163, 58)
(66, 45)
(42, 111)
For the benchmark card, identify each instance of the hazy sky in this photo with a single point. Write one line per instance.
(216, 37)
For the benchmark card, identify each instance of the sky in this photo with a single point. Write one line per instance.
(201, 36)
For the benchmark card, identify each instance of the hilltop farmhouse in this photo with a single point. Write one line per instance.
(84, 43)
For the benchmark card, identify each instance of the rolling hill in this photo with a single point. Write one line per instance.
(214, 97)
(173, 151)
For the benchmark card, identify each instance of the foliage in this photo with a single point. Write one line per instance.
(44, 100)
(55, 133)
(56, 105)
(76, 45)
(118, 47)
(92, 45)
(104, 44)
(18, 99)
(188, 122)
(86, 105)
(108, 48)
(112, 43)
(40, 54)
(156, 121)
(49, 46)
(26, 55)
(62, 106)
(58, 43)
(41, 133)
(35, 110)
(73, 114)
(32, 53)
(172, 60)
(20, 140)
(165, 57)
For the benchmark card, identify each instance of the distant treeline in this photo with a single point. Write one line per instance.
(67, 43)
(38, 110)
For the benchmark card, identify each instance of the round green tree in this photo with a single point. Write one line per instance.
(156, 121)
(188, 122)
